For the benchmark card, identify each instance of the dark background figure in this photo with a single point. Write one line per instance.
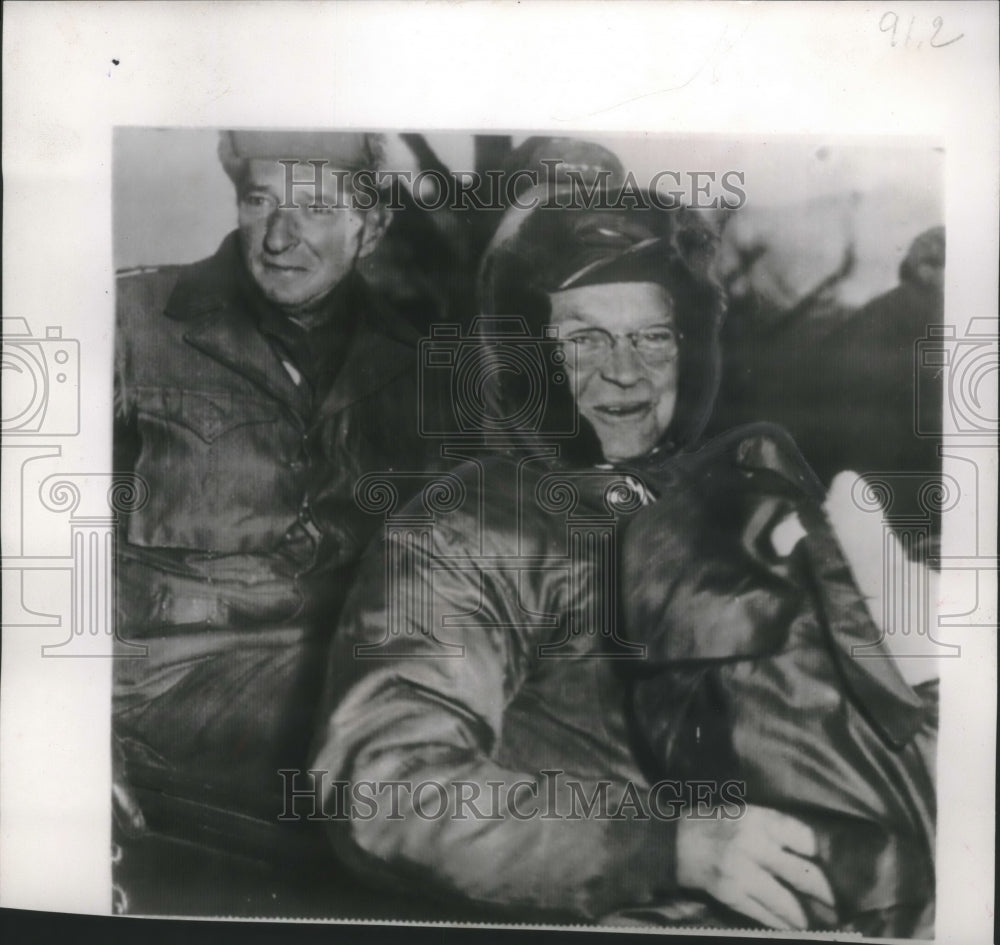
(872, 388)
(424, 265)
(847, 382)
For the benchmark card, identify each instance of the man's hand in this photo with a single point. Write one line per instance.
(754, 865)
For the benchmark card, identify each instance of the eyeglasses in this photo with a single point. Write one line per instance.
(656, 345)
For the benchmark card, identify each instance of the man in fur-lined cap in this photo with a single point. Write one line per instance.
(253, 389)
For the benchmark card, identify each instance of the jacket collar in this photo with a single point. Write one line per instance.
(226, 335)
(209, 297)
(374, 358)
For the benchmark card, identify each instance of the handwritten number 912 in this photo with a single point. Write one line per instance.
(889, 23)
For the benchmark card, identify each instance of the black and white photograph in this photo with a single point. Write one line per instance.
(526, 525)
(512, 507)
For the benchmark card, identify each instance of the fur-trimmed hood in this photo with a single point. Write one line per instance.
(552, 247)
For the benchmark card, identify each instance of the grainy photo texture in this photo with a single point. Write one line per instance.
(533, 529)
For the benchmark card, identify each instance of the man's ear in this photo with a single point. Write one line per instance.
(376, 222)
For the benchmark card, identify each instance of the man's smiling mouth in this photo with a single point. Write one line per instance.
(278, 267)
(632, 410)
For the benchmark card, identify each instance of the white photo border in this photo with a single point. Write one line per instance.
(72, 72)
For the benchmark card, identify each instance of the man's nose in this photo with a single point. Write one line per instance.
(622, 366)
(282, 232)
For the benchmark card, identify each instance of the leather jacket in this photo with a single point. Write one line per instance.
(237, 463)
(233, 570)
(485, 644)
(504, 678)
(507, 670)
(766, 667)
(482, 645)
